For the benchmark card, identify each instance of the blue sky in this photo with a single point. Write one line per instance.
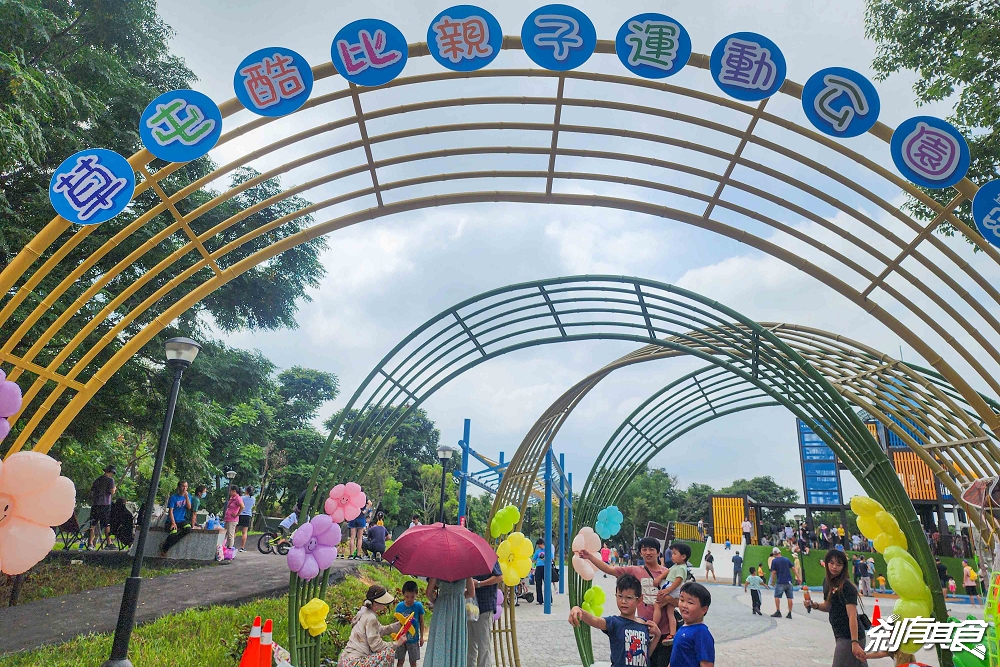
(384, 278)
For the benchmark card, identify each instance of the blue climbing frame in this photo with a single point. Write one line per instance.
(553, 483)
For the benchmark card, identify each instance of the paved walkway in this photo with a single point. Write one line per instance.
(740, 637)
(251, 575)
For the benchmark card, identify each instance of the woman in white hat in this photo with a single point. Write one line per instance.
(365, 647)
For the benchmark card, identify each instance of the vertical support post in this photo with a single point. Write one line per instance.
(463, 487)
(547, 580)
(562, 523)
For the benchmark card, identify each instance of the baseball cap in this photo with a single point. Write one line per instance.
(776, 551)
(111, 468)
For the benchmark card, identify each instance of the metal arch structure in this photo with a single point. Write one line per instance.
(588, 308)
(943, 431)
(744, 181)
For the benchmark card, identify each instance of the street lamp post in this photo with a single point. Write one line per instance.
(444, 453)
(180, 353)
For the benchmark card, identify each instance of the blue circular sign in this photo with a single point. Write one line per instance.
(92, 186)
(273, 82)
(464, 38)
(653, 46)
(840, 102)
(986, 212)
(747, 66)
(930, 152)
(369, 52)
(180, 126)
(558, 37)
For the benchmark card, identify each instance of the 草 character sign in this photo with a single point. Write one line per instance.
(92, 186)
(274, 81)
(464, 38)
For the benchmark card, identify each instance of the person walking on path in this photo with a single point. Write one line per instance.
(781, 577)
(480, 648)
(649, 549)
(747, 530)
(606, 555)
(969, 581)
(448, 643)
(231, 515)
(200, 492)
(365, 647)
(101, 492)
(246, 515)
(754, 582)
(710, 566)
(943, 575)
(863, 577)
(840, 600)
(541, 590)
(178, 525)
(737, 568)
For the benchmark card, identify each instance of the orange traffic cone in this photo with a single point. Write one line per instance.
(251, 654)
(876, 613)
(266, 646)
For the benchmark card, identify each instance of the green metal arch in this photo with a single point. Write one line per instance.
(588, 308)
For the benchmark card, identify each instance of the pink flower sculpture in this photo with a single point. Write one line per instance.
(10, 403)
(345, 502)
(33, 496)
(314, 547)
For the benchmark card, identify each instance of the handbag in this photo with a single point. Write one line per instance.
(864, 622)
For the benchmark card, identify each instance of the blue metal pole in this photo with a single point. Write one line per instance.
(464, 484)
(569, 504)
(546, 588)
(562, 523)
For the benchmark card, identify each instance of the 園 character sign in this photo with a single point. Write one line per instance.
(180, 126)
(986, 211)
(930, 152)
(273, 82)
(464, 38)
(92, 186)
(840, 102)
(369, 52)
(747, 66)
(653, 46)
(558, 37)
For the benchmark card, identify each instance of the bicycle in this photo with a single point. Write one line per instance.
(276, 539)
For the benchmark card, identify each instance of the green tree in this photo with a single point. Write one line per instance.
(952, 46)
(430, 495)
(696, 504)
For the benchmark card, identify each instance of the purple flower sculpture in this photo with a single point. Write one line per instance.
(314, 547)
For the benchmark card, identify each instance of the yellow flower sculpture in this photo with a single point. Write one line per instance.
(514, 555)
(312, 616)
(902, 570)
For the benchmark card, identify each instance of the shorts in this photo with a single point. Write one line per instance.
(971, 590)
(357, 523)
(100, 515)
(709, 567)
(244, 521)
(410, 649)
(785, 589)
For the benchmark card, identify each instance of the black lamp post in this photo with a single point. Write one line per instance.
(180, 353)
(444, 453)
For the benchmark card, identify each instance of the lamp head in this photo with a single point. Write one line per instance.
(444, 453)
(230, 474)
(182, 351)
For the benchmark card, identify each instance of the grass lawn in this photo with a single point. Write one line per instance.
(697, 551)
(47, 580)
(215, 637)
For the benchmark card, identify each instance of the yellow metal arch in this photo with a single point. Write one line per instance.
(958, 302)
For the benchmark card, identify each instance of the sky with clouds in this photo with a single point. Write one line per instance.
(386, 277)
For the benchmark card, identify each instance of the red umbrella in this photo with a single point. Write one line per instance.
(448, 553)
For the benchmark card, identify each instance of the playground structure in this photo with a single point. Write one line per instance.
(725, 183)
(553, 488)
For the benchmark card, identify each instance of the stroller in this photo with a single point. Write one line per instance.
(122, 524)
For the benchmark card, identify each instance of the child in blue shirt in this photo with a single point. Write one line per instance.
(414, 641)
(632, 639)
(694, 645)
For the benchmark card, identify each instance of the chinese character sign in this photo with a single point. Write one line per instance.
(986, 211)
(180, 126)
(558, 37)
(894, 633)
(930, 152)
(747, 66)
(92, 186)
(273, 82)
(464, 38)
(653, 46)
(840, 102)
(369, 52)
